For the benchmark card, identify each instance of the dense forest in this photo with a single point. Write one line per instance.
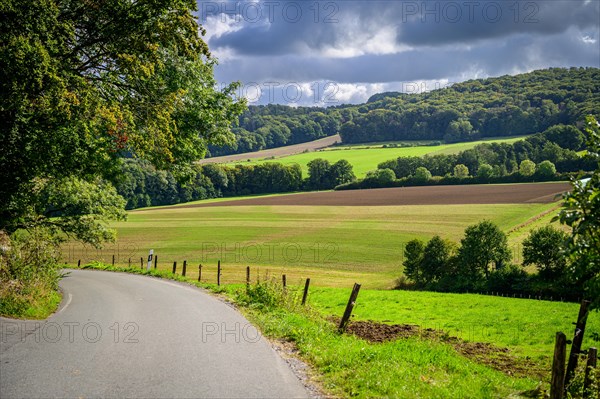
(543, 156)
(494, 107)
(551, 105)
(549, 155)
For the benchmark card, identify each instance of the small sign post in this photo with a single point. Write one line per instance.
(150, 257)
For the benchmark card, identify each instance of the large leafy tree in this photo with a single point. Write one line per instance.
(544, 248)
(436, 258)
(341, 172)
(413, 258)
(483, 246)
(86, 83)
(581, 212)
(527, 167)
(319, 176)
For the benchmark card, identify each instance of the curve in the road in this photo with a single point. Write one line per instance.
(125, 335)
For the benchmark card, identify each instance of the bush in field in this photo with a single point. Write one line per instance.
(461, 171)
(422, 174)
(379, 177)
(485, 171)
(546, 169)
(527, 168)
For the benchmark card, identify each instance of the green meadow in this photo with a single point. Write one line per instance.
(335, 246)
(526, 326)
(366, 157)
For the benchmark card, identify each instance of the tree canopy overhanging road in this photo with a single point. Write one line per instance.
(120, 335)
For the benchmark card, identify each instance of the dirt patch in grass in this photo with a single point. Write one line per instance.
(501, 359)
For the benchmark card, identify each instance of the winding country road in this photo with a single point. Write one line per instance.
(121, 335)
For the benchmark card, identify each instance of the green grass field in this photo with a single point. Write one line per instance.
(415, 367)
(525, 325)
(337, 246)
(347, 366)
(333, 245)
(365, 159)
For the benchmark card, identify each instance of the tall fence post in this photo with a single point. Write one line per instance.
(113, 260)
(349, 308)
(184, 268)
(219, 272)
(79, 263)
(129, 263)
(200, 272)
(592, 363)
(305, 294)
(141, 263)
(577, 341)
(155, 261)
(284, 281)
(174, 267)
(557, 384)
(247, 276)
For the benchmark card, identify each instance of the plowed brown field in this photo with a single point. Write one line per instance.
(430, 195)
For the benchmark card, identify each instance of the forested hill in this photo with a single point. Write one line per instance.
(503, 106)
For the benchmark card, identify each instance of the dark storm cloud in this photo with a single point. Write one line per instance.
(518, 54)
(378, 43)
(440, 23)
(290, 27)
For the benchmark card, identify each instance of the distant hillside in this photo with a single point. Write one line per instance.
(494, 107)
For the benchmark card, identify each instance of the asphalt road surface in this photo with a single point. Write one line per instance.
(122, 335)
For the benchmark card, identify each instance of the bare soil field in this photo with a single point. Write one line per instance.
(277, 152)
(429, 195)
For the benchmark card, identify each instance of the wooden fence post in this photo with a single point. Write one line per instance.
(557, 384)
(141, 263)
(79, 263)
(113, 260)
(349, 307)
(184, 268)
(155, 261)
(284, 281)
(305, 294)
(199, 272)
(219, 273)
(247, 276)
(174, 267)
(577, 341)
(590, 367)
(129, 263)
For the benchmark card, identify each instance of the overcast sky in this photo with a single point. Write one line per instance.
(334, 52)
